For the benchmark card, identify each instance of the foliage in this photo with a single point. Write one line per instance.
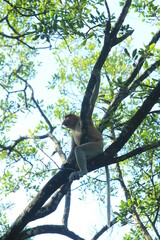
(82, 35)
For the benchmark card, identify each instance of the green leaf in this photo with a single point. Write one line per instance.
(134, 53)
(36, 37)
(126, 52)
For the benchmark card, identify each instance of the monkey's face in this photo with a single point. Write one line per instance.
(66, 122)
(70, 121)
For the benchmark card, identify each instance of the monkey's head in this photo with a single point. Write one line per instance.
(70, 121)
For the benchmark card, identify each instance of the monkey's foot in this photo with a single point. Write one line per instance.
(74, 176)
(77, 175)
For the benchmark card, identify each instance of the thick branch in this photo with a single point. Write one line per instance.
(54, 229)
(110, 37)
(135, 121)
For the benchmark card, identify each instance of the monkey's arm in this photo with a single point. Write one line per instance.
(71, 163)
(73, 146)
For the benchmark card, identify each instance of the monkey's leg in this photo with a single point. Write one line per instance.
(81, 162)
(87, 150)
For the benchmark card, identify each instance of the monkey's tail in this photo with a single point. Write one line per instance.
(108, 196)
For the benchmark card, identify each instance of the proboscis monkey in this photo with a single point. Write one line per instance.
(92, 148)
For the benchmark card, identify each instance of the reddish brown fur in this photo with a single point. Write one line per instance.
(71, 121)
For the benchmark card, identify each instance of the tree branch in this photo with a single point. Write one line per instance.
(109, 155)
(55, 229)
(153, 225)
(35, 102)
(15, 7)
(35, 205)
(51, 206)
(49, 134)
(109, 42)
(58, 147)
(104, 229)
(138, 151)
(132, 209)
(121, 18)
(124, 90)
(135, 121)
(143, 76)
(123, 37)
(20, 139)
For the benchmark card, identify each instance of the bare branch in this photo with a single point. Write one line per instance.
(55, 229)
(36, 103)
(52, 205)
(147, 72)
(58, 147)
(138, 151)
(104, 229)
(121, 18)
(20, 139)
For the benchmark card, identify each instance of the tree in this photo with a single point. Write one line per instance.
(128, 100)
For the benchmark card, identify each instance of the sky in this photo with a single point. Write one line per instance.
(84, 214)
